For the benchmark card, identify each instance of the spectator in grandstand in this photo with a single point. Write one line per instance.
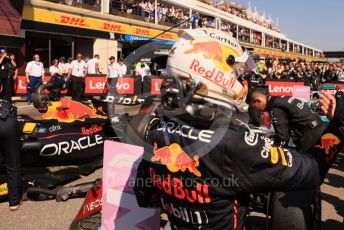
(195, 20)
(341, 74)
(330, 74)
(308, 74)
(93, 65)
(299, 73)
(54, 68)
(142, 8)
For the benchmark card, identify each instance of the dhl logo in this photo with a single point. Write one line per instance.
(72, 20)
(175, 159)
(144, 32)
(328, 142)
(112, 27)
(167, 36)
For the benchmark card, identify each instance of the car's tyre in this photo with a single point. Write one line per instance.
(297, 210)
(138, 127)
(40, 194)
(92, 221)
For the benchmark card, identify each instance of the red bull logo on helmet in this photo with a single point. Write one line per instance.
(175, 159)
(213, 51)
(213, 74)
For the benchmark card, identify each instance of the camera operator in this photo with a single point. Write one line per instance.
(5, 81)
(10, 145)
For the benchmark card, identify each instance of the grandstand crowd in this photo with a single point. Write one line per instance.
(301, 71)
(168, 13)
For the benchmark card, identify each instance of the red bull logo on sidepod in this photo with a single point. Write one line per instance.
(328, 142)
(175, 159)
(67, 110)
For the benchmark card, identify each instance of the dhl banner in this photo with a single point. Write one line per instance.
(65, 19)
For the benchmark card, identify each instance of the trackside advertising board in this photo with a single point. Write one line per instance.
(134, 86)
(120, 208)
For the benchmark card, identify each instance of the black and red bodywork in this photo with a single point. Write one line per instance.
(70, 134)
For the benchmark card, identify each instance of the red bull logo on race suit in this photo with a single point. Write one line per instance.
(175, 159)
(328, 143)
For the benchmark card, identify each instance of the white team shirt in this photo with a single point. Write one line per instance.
(63, 67)
(123, 69)
(78, 68)
(53, 69)
(91, 66)
(114, 70)
(35, 69)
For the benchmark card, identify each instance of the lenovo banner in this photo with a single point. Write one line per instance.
(282, 88)
(20, 85)
(152, 85)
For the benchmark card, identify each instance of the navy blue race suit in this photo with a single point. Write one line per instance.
(202, 178)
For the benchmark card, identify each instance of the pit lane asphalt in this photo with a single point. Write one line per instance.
(59, 215)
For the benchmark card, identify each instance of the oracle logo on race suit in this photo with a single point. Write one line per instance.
(282, 88)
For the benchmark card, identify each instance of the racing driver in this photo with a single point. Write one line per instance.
(197, 165)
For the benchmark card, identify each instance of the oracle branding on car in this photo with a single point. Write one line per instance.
(66, 147)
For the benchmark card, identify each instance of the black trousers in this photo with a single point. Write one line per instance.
(6, 92)
(309, 138)
(10, 146)
(77, 88)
